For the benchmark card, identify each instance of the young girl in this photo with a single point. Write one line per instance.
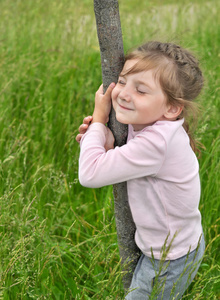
(153, 95)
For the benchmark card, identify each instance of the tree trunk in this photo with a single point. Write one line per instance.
(112, 59)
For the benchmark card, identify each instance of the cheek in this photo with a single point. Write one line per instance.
(114, 94)
(114, 103)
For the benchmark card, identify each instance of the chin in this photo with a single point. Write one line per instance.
(120, 120)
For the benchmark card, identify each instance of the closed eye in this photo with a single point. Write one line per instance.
(122, 82)
(141, 92)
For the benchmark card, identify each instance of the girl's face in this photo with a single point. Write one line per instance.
(138, 98)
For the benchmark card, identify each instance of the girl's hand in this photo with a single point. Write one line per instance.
(110, 140)
(102, 104)
(83, 128)
(109, 144)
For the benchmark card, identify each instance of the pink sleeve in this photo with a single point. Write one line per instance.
(141, 156)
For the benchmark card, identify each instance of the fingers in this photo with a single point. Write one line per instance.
(78, 137)
(99, 96)
(83, 128)
(109, 144)
(100, 89)
(110, 89)
(87, 120)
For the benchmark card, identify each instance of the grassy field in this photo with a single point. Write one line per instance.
(57, 239)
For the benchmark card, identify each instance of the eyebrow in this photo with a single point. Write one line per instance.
(121, 75)
(145, 83)
(139, 82)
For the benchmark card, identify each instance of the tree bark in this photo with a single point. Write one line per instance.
(112, 60)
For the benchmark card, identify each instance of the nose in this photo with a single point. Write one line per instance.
(125, 94)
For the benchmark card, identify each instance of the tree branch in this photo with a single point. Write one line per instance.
(112, 60)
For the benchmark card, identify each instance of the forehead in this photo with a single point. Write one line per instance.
(140, 72)
(129, 64)
(134, 66)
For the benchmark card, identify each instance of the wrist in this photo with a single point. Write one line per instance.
(99, 118)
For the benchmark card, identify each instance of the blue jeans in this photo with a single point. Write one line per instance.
(154, 279)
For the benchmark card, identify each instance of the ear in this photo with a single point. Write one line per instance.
(173, 112)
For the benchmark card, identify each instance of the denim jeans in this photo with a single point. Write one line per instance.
(154, 279)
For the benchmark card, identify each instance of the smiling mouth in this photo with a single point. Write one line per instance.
(125, 108)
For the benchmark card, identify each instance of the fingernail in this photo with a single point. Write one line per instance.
(112, 84)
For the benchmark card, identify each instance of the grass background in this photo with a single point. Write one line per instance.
(57, 239)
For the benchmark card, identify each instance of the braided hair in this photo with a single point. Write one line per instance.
(178, 73)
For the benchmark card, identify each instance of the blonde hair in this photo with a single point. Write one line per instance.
(178, 73)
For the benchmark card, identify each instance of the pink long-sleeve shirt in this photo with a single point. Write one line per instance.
(162, 175)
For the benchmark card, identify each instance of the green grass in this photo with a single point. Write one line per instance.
(57, 239)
